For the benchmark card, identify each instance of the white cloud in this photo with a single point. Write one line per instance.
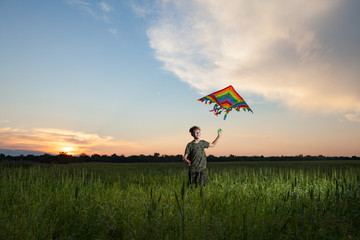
(271, 48)
(141, 10)
(83, 6)
(105, 7)
(100, 12)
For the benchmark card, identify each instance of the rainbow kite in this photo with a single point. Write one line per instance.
(225, 99)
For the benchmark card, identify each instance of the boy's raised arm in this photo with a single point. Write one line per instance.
(216, 139)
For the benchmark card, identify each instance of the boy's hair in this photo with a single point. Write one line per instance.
(192, 130)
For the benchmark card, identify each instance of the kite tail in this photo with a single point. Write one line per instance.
(216, 110)
(227, 111)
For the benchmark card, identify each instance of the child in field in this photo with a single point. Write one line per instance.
(195, 156)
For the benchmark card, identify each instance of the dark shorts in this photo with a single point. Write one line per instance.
(197, 178)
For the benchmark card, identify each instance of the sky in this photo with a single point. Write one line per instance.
(123, 77)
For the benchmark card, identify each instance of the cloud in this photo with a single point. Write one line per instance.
(140, 10)
(113, 31)
(105, 7)
(274, 48)
(99, 12)
(83, 6)
(56, 140)
(354, 116)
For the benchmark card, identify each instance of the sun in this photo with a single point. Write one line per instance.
(68, 150)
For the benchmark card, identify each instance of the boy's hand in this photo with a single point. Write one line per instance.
(186, 161)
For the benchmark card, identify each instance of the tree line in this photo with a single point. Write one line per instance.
(64, 158)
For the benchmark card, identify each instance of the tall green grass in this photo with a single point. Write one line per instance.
(253, 200)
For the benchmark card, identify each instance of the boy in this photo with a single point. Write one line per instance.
(195, 156)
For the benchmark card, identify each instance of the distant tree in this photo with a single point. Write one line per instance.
(83, 157)
(64, 158)
(29, 157)
(46, 158)
(95, 158)
(63, 154)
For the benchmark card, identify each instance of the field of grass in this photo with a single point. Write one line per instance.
(242, 200)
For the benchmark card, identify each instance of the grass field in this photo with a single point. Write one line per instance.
(243, 200)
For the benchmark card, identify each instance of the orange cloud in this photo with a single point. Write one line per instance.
(51, 140)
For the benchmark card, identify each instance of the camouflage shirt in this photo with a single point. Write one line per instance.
(196, 155)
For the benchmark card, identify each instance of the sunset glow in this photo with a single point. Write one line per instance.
(68, 150)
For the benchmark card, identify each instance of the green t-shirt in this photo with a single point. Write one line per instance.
(196, 155)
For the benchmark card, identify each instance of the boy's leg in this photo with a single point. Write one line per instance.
(203, 177)
(193, 176)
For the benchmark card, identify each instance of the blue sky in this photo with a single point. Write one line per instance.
(123, 76)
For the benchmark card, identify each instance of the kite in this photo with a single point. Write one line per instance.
(225, 100)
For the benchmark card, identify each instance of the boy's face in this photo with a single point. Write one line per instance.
(197, 134)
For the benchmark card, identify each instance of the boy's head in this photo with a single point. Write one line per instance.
(195, 132)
